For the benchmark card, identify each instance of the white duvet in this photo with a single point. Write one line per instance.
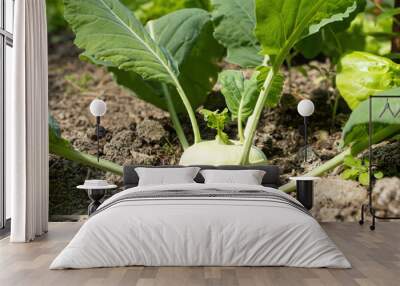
(200, 231)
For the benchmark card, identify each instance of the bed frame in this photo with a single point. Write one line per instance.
(271, 177)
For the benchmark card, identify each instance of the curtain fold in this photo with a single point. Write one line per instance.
(27, 124)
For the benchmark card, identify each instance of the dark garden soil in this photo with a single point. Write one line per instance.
(139, 133)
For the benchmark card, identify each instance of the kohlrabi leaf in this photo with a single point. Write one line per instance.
(109, 32)
(147, 10)
(328, 39)
(362, 74)
(275, 90)
(240, 96)
(187, 35)
(172, 31)
(234, 22)
(149, 91)
(356, 127)
(240, 93)
(217, 120)
(281, 24)
(199, 70)
(366, 32)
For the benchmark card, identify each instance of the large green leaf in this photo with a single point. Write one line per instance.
(240, 94)
(147, 10)
(356, 127)
(366, 32)
(199, 70)
(332, 40)
(235, 21)
(281, 24)
(363, 74)
(275, 90)
(109, 32)
(187, 35)
(178, 31)
(149, 91)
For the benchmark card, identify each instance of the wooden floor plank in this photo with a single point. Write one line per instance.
(375, 257)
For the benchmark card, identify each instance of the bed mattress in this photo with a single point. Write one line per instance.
(201, 225)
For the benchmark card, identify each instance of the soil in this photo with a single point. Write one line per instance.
(139, 133)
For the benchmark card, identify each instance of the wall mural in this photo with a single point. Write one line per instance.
(183, 85)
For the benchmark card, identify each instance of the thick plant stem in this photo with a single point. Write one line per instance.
(379, 136)
(86, 159)
(174, 118)
(189, 109)
(256, 113)
(240, 128)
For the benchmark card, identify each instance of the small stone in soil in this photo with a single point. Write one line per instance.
(311, 155)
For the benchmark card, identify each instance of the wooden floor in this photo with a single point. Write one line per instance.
(375, 257)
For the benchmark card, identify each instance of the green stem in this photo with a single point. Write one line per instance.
(338, 159)
(256, 113)
(189, 109)
(174, 118)
(240, 127)
(86, 159)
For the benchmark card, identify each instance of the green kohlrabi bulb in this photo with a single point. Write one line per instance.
(214, 153)
(362, 74)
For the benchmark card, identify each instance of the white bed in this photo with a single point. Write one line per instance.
(265, 229)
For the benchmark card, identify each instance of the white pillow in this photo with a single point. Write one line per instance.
(163, 176)
(247, 177)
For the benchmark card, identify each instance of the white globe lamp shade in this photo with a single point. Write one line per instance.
(305, 107)
(98, 107)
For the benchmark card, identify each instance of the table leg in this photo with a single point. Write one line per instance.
(95, 196)
(305, 193)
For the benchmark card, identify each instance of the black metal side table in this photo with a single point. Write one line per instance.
(95, 193)
(305, 190)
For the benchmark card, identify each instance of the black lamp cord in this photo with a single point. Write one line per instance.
(305, 139)
(97, 136)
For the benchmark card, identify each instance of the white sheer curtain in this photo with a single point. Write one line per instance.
(27, 124)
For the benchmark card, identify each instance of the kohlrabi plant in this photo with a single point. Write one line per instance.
(362, 74)
(221, 150)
